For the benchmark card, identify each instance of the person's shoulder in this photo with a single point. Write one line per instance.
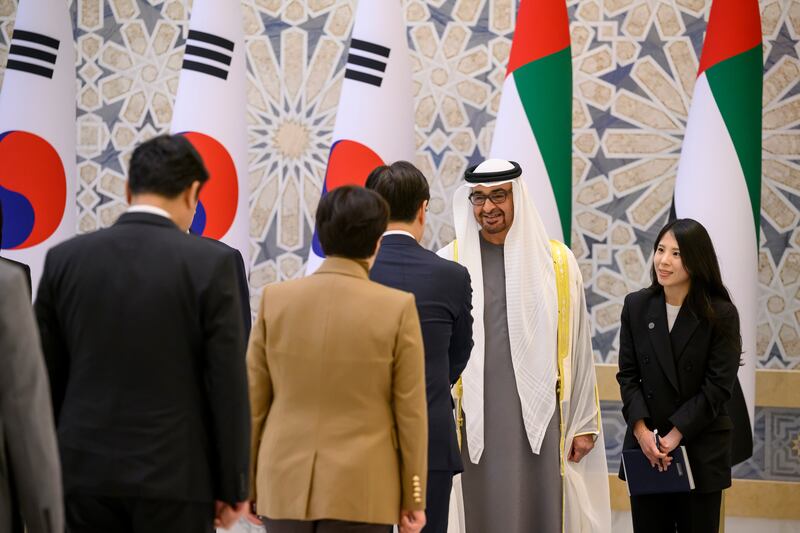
(723, 308)
(444, 265)
(79, 243)
(9, 272)
(639, 298)
(203, 245)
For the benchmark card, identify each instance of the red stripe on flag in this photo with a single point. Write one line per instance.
(734, 26)
(542, 29)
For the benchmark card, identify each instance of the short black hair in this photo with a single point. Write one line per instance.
(350, 220)
(165, 165)
(404, 188)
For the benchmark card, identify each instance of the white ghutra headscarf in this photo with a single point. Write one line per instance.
(531, 300)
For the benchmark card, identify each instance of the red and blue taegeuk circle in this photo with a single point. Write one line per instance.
(33, 189)
(349, 163)
(219, 197)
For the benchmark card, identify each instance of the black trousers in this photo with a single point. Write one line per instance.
(437, 501)
(100, 514)
(323, 526)
(687, 512)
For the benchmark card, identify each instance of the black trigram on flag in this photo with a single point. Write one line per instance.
(208, 54)
(33, 53)
(366, 62)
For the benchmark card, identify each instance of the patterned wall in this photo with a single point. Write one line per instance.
(634, 64)
(634, 71)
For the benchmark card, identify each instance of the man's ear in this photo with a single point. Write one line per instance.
(193, 193)
(128, 195)
(421, 213)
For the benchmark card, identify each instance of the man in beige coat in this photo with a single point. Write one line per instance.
(337, 388)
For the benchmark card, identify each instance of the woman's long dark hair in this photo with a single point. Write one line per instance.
(700, 261)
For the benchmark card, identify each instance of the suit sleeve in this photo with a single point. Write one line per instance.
(461, 339)
(700, 410)
(260, 389)
(26, 414)
(244, 293)
(410, 408)
(226, 376)
(634, 407)
(54, 346)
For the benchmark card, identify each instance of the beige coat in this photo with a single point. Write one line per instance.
(337, 395)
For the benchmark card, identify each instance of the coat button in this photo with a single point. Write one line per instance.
(649, 395)
(650, 325)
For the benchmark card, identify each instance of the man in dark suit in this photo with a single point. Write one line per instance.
(143, 335)
(26, 270)
(30, 498)
(444, 301)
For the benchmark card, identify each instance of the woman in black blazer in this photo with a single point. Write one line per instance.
(679, 352)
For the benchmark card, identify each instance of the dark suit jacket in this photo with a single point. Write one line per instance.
(443, 295)
(682, 379)
(241, 282)
(142, 331)
(26, 270)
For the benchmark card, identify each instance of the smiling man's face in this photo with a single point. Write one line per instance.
(494, 216)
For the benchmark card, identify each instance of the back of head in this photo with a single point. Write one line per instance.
(166, 166)
(403, 187)
(350, 220)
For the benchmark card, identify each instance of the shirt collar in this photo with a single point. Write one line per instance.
(151, 209)
(398, 232)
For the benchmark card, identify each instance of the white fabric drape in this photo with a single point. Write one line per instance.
(532, 314)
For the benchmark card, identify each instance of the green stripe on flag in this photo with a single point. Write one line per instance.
(736, 84)
(545, 88)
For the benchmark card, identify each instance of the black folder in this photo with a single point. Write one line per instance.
(642, 478)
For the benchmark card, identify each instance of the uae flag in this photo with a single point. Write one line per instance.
(375, 118)
(210, 111)
(37, 135)
(719, 174)
(534, 122)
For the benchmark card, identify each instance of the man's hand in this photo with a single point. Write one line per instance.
(670, 441)
(581, 445)
(411, 521)
(647, 442)
(251, 515)
(227, 516)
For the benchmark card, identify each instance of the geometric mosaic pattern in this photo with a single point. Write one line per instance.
(634, 71)
(776, 443)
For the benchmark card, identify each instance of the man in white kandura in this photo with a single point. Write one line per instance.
(534, 458)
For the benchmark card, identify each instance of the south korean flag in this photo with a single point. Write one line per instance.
(375, 119)
(37, 135)
(210, 111)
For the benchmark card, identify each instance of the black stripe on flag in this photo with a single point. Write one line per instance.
(205, 68)
(33, 37)
(30, 68)
(27, 51)
(208, 54)
(357, 75)
(20, 55)
(366, 46)
(362, 61)
(211, 39)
